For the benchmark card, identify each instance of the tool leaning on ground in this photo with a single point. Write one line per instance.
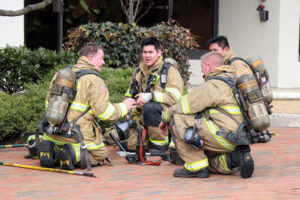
(140, 155)
(13, 145)
(49, 169)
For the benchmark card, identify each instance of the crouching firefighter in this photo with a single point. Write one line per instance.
(156, 84)
(208, 126)
(77, 97)
(253, 66)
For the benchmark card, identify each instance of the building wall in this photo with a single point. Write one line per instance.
(12, 28)
(275, 40)
(289, 65)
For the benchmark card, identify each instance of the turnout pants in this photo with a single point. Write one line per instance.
(97, 152)
(151, 118)
(212, 155)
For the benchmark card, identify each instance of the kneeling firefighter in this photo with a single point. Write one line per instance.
(208, 124)
(77, 97)
(157, 84)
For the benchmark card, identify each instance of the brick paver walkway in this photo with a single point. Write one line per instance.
(276, 176)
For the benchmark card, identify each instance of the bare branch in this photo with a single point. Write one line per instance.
(126, 12)
(27, 9)
(137, 8)
(148, 9)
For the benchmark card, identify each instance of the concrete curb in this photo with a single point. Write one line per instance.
(285, 120)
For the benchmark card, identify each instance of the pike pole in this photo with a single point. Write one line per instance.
(13, 145)
(49, 169)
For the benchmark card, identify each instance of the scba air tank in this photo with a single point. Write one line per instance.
(252, 100)
(62, 93)
(259, 67)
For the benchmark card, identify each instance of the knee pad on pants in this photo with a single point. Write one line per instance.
(152, 113)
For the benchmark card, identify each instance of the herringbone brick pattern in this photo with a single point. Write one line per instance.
(276, 176)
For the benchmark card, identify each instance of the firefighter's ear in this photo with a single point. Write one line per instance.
(226, 49)
(159, 52)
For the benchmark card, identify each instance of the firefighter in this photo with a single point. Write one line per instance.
(156, 84)
(220, 44)
(92, 100)
(201, 122)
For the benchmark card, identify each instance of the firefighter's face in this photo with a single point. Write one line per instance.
(150, 55)
(97, 59)
(216, 48)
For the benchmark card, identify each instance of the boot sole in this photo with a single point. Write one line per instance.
(247, 166)
(191, 175)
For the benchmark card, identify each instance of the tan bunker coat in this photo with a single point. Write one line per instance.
(164, 96)
(211, 98)
(91, 93)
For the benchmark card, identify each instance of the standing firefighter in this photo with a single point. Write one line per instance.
(203, 120)
(157, 85)
(72, 134)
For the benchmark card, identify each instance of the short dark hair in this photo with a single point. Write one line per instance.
(89, 49)
(151, 41)
(222, 41)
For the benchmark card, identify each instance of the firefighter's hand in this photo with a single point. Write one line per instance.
(163, 128)
(130, 103)
(143, 98)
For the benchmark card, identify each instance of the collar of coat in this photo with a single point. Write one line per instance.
(154, 68)
(229, 55)
(83, 63)
(223, 69)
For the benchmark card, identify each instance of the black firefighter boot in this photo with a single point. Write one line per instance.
(47, 154)
(153, 148)
(184, 173)
(156, 149)
(241, 157)
(66, 157)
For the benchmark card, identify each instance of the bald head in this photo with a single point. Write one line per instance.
(210, 61)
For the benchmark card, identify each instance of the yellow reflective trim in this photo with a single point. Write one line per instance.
(84, 6)
(79, 106)
(232, 109)
(76, 148)
(184, 105)
(158, 97)
(157, 77)
(222, 159)
(93, 146)
(127, 94)
(213, 111)
(124, 109)
(165, 116)
(160, 142)
(195, 166)
(48, 138)
(174, 91)
(219, 138)
(46, 104)
(107, 113)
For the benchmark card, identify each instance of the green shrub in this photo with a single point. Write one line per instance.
(121, 42)
(20, 113)
(19, 65)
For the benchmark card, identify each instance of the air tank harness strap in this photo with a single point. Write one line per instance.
(141, 151)
(84, 160)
